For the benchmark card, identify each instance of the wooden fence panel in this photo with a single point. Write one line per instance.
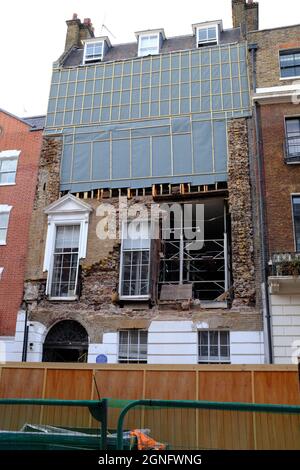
(225, 386)
(276, 387)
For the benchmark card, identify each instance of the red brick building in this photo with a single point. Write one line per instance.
(20, 145)
(276, 74)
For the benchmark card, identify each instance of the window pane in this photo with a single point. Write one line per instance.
(212, 33)
(8, 165)
(3, 235)
(202, 34)
(4, 216)
(296, 210)
(133, 346)
(214, 346)
(7, 178)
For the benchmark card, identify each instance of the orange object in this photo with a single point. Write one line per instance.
(145, 442)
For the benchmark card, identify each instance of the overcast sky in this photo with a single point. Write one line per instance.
(32, 35)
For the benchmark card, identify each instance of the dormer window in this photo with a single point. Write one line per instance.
(149, 42)
(149, 45)
(95, 49)
(207, 34)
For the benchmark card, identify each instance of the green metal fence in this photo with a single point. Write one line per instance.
(146, 424)
(53, 424)
(211, 425)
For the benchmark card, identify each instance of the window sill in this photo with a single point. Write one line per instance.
(7, 184)
(289, 78)
(3, 243)
(63, 299)
(134, 297)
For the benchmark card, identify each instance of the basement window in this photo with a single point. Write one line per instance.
(133, 346)
(93, 51)
(135, 261)
(290, 63)
(214, 347)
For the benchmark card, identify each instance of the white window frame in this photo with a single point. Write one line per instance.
(5, 209)
(95, 58)
(76, 213)
(213, 359)
(1, 272)
(132, 360)
(148, 51)
(9, 155)
(208, 42)
(133, 297)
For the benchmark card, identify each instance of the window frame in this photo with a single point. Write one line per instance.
(5, 209)
(208, 42)
(121, 280)
(286, 52)
(148, 35)
(210, 359)
(293, 196)
(50, 276)
(296, 157)
(67, 210)
(133, 360)
(9, 155)
(93, 59)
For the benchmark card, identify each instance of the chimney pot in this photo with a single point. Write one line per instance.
(87, 21)
(75, 16)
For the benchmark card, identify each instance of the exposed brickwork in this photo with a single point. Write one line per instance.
(96, 308)
(270, 42)
(241, 213)
(245, 15)
(281, 180)
(47, 191)
(16, 135)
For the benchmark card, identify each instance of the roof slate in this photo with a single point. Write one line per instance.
(130, 50)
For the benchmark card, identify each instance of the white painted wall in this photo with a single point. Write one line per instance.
(169, 342)
(285, 327)
(247, 347)
(109, 347)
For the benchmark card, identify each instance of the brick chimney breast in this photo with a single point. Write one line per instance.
(245, 15)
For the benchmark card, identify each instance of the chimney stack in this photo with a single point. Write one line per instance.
(245, 15)
(78, 31)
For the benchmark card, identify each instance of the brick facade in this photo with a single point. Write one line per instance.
(281, 179)
(269, 43)
(17, 135)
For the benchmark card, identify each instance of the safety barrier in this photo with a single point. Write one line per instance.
(187, 424)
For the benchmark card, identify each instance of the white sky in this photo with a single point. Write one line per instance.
(32, 35)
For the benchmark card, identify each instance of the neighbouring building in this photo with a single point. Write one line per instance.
(276, 75)
(20, 146)
(159, 123)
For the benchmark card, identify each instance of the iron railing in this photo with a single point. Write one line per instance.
(292, 149)
(285, 264)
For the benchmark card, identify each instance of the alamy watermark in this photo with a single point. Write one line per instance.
(157, 221)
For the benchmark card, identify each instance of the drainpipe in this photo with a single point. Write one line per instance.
(26, 332)
(263, 241)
